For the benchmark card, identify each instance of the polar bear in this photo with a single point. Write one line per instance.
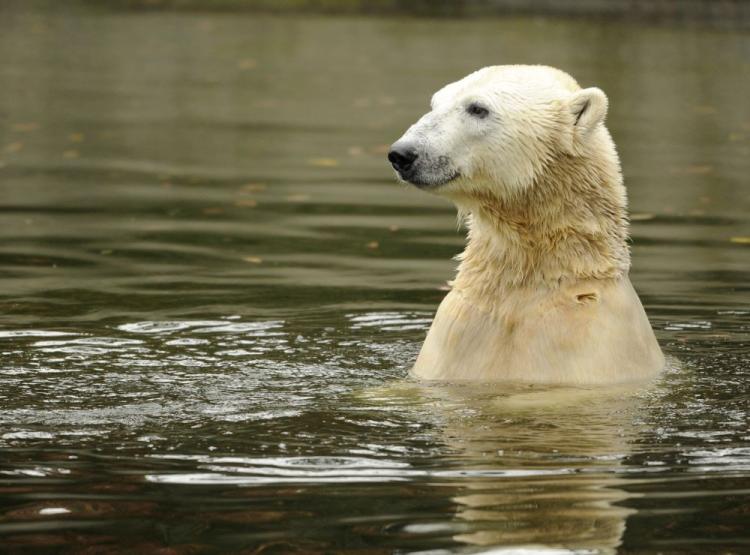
(542, 292)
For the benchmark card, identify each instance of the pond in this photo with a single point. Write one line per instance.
(213, 289)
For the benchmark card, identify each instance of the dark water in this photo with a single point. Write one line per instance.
(212, 290)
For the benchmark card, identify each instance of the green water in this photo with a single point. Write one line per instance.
(212, 289)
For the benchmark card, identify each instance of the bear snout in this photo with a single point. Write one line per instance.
(402, 158)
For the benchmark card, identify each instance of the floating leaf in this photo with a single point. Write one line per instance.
(323, 162)
(695, 169)
(373, 245)
(247, 63)
(298, 198)
(25, 127)
(253, 259)
(740, 240)
(704, 109)
(642, 217)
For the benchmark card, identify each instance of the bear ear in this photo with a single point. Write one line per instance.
(589, 108)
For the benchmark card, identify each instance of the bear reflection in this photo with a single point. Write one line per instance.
(535, 468)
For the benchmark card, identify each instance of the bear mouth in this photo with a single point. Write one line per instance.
(423, 182)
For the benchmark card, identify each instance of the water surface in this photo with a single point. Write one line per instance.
(212, 290)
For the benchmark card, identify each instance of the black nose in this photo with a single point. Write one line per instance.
(402, 158)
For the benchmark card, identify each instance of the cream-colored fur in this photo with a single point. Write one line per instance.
(542, 292)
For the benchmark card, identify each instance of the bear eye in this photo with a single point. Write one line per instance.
(477, 110)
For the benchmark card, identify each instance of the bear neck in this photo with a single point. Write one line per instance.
(570, 225)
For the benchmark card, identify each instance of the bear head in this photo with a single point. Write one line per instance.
(496, 130)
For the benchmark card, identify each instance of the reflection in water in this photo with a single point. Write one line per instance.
(534, 468)
(211, 287)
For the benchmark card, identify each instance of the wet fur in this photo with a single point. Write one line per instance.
(542, 292)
